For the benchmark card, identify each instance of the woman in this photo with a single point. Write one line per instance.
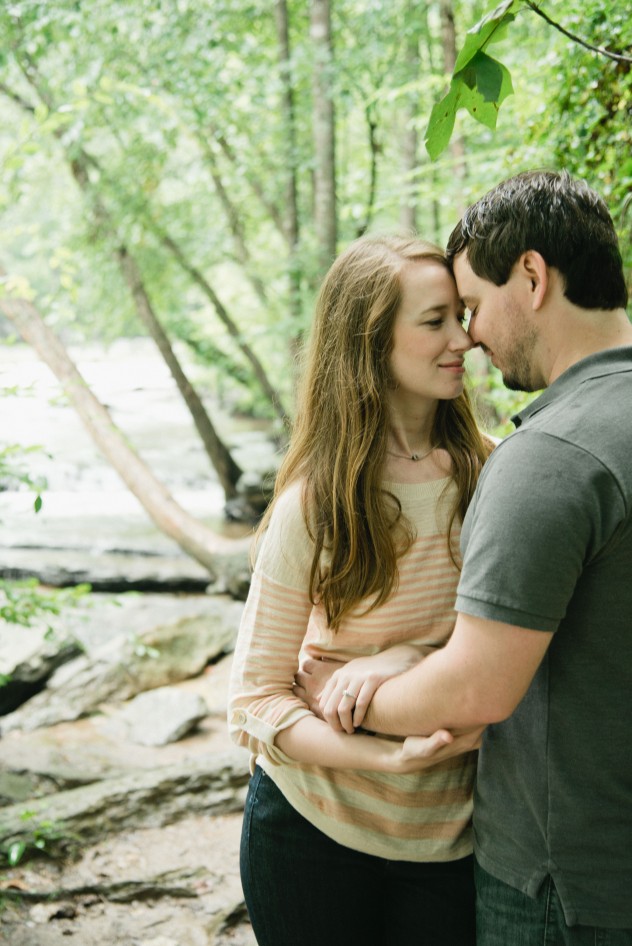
(346, 838)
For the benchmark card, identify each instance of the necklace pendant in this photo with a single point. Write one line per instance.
(414, 456)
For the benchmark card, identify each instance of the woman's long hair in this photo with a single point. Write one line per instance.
(339, 441)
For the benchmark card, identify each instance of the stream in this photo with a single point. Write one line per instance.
(87, 513)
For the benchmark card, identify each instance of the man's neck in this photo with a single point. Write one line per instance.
(597, 330)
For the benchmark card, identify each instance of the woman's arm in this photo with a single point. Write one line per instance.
(266, 714)
(312, 741)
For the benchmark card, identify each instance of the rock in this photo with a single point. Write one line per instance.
(69, 754)
(162, 716)
(104, 570)
(197, 856)
(232, 577)
(254, 491)
(127, 665)
(213, 784)
(28, 656)
(20, 786)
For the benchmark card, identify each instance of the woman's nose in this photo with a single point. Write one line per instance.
(461, 340)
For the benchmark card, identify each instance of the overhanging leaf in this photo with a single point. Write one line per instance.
(488, 30)
(480, 88)
(441, 123)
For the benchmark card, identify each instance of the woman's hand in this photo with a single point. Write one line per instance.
(310, 681)
(347, 691)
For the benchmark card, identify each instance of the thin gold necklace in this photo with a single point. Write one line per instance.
(415, 457)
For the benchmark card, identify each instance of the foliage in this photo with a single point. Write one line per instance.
(588, 120)
(23, 602)
(495, 403)
(480, 83)
(175, 110)
(43, 836)
(13, 472)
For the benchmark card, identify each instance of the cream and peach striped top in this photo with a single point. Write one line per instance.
(419, 817)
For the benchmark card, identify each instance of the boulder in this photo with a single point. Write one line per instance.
(129, 664)
(213, 784)
(162, 716)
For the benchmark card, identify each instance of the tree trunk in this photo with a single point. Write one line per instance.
(291, 223)
(193, 537)
(410, 138)
(324, 134)
(371, 123)
(227, 470)
(260, 374)
(448, 34)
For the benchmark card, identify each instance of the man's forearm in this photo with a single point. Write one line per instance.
(478, 678)
(428, 697)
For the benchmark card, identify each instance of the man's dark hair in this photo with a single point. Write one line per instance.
(561, 218)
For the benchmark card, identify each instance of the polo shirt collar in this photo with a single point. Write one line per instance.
(609, 361)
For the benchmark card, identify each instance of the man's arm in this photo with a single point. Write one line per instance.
(479, 677)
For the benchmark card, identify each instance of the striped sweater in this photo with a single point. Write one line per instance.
(423, 816)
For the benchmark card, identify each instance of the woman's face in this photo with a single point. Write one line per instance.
(429, 341)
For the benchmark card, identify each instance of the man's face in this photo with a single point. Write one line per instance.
(500, 324)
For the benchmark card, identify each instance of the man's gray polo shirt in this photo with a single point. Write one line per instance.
(547, 545)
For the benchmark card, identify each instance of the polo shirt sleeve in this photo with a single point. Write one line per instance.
(543, 509)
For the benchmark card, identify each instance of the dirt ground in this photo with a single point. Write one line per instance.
(179, 886)
(175, 885)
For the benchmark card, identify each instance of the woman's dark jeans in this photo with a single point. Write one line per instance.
(303, 889)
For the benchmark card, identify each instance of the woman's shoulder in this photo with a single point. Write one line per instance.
(286, 547)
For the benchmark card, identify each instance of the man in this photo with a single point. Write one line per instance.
(542, 648)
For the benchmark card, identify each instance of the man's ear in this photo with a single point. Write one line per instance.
(535, 269)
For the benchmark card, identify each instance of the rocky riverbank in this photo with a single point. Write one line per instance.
(121, 796)
(120, 786)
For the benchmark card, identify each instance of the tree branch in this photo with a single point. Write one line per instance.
(618, 57)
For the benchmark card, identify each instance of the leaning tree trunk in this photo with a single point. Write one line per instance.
(324, 134)
(193, 537)
(227, 470)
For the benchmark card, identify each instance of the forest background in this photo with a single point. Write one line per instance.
(188, 170)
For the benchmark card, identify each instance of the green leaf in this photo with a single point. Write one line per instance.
(37, 505)
(482, 87)
(488, 30)
(441, 123)
(15, 852)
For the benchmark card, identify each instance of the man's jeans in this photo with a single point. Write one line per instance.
(507, 917)
(303, 889)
